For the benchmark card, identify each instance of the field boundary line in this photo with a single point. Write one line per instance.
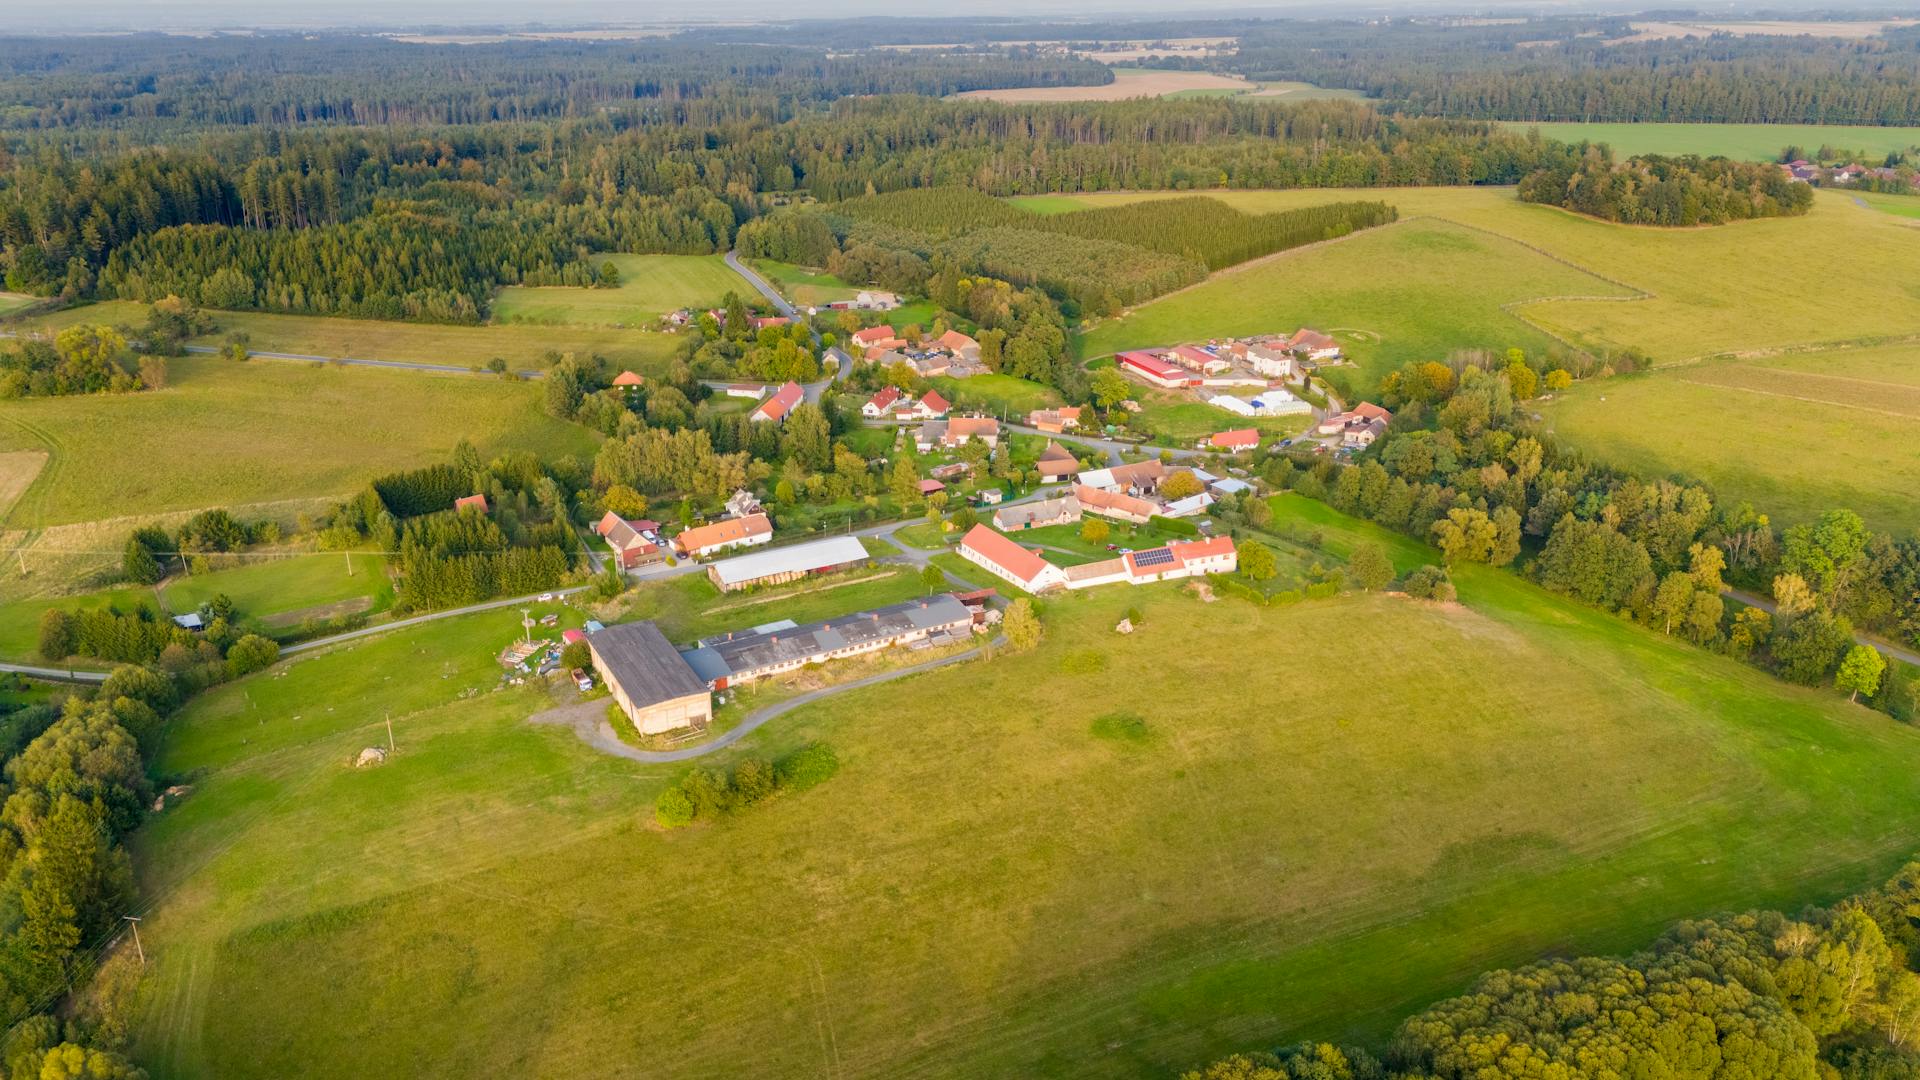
(1797, 349)
(1805, 400)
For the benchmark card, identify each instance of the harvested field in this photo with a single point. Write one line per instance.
(1126, 84)
(17, 470)
(1850, 30)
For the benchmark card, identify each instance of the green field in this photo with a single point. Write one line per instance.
(20, 619)
(806, 287)
(1907, 206)
(275, 592)
(227, 434)
(650, 286)
(1277, 848)
(1002, 395)
(1411, 291)
(522, 346)
(1048, 204)
(1751, 142)
(1795, 435)
(12, 302)
(690, 607)
(1181, 419)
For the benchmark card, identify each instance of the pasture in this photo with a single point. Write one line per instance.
(1906, 206)
(1795, 435)
(227, 434)
(271, 593)
(1750, 142)
(804, 286)
(650, 286)
(1001, 395)
(994, 883)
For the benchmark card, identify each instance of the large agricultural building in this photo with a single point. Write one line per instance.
(742, 656)
(776, 565)
(649, 679)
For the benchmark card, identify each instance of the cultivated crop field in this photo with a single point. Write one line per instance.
(1128, 83)
(650, 286)
(1228, 855)
(1795, 435)
(1751, 142)
(228, 434)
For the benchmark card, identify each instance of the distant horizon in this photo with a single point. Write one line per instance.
(234, 16)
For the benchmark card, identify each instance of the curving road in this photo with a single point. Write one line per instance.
(47, 674)
(1897, 652)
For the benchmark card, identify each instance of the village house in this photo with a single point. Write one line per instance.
(471, 502)
(1235, 441)
(1118, 505)
(1358, 416)
(1364, 434)
(628, 380)
(1152, 369)
(888, 358)
(703, 540)
(634, 543)
(742, 503)
(882, 403)
(775, 409)
(931, 406)
(931, 487)
(959, 345)
(1005, 559)
(649, 679)
(1056, 463)
(932, 365)
(728, 660)
(1055, 421)
(989, 496)
(762, 322)
(1138, 478)
(1274, 363)
(777, 565)
(1313, 345)
(961, 429)
(1064, 510)
(875, 300)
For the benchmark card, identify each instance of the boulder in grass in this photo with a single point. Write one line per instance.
(372, 755)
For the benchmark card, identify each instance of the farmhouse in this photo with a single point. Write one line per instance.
(882, 403)
(1146, 366)
(634, 543)
(1005, 559)
(960, 429)
(1363, 434)
(931, 365)
(628, 379)
(959, 345)
(1115, 504)
(471, 502)
(1064, 510)
(1313, 345)
(731, 659)
(989, 496)
(875, 300)
(1055, 421)
(1180, 559)
(1056, 462)
(1235, 441)
(1274, 363)
(931, 406)
(742, 503)
(1358, 416)
(649, 679)
(776, 408)
(776, 565)
(878, 337)
(703, 540)
(1139, 478)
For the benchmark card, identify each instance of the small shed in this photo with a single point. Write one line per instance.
(570, 637)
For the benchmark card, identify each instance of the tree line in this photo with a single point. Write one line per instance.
(1673, 191)
(1827, 994)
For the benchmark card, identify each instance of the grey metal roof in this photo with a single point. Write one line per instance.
(645, 663)
(746, 652)
(799, 558)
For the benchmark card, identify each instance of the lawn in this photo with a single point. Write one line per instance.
(288, 587)
(1907, 206)
(1179, 419)
(522, 346)
(1391, 798)
(650, 286)
(1751, 142)
(689, 607)
(226, 434)
(804, 286)
(1412, 291)
(20, 619)
(1001, 395)
(1795, 435)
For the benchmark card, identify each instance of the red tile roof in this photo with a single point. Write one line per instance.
(1202, 549)
(1022, 564)
(956, 341)
(934, 403)
(885, 398)
(476, 502)
(781, 403)
(1153, 365)
(730, 531)
(627, 378)
(873, 335)
(1237, 439)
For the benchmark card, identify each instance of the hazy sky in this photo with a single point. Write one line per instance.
(136, 15)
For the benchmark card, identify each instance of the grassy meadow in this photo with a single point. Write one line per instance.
(1795, 435)
(1410, 291)
(1906, 206)
(804, 286)
(650, 286)
(12, 302)
(523, 346)
(226, 434)
(272, 593)
(1112, 856)
(1750, 142)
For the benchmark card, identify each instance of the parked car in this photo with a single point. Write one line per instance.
(582, 680)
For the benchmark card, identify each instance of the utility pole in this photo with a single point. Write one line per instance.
(137, 947)
(526, 622)
(390, 747)
(349, 562)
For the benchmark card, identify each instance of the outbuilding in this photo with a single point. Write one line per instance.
(649, 679)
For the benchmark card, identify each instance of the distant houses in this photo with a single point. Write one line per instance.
(1055, 421)
(1131, 493)
(1234, 362)
(952, 354)
(892, 404)
(1359, 426)
(957, 432)
(1313, 345)
(1009, 561)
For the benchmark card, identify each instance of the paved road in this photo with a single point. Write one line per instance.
(835, 358)
(54, 674)
(1113, 447)
(1897, 652)
(761, 286)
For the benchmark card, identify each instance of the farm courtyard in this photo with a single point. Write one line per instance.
(1112, 856)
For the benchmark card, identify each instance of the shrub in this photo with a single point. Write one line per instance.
(57, 638)
(250, 654)
(1429, 583)
(672, 808)
(810, 765)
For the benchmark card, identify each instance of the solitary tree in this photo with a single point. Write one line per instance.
(1022, 625)
(933, 578)
(1180, 485)
(1369, 567)
(1256, 560)
(1094, 531)
(1860, 672)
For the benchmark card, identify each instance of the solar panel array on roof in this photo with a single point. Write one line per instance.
(1154, 557)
